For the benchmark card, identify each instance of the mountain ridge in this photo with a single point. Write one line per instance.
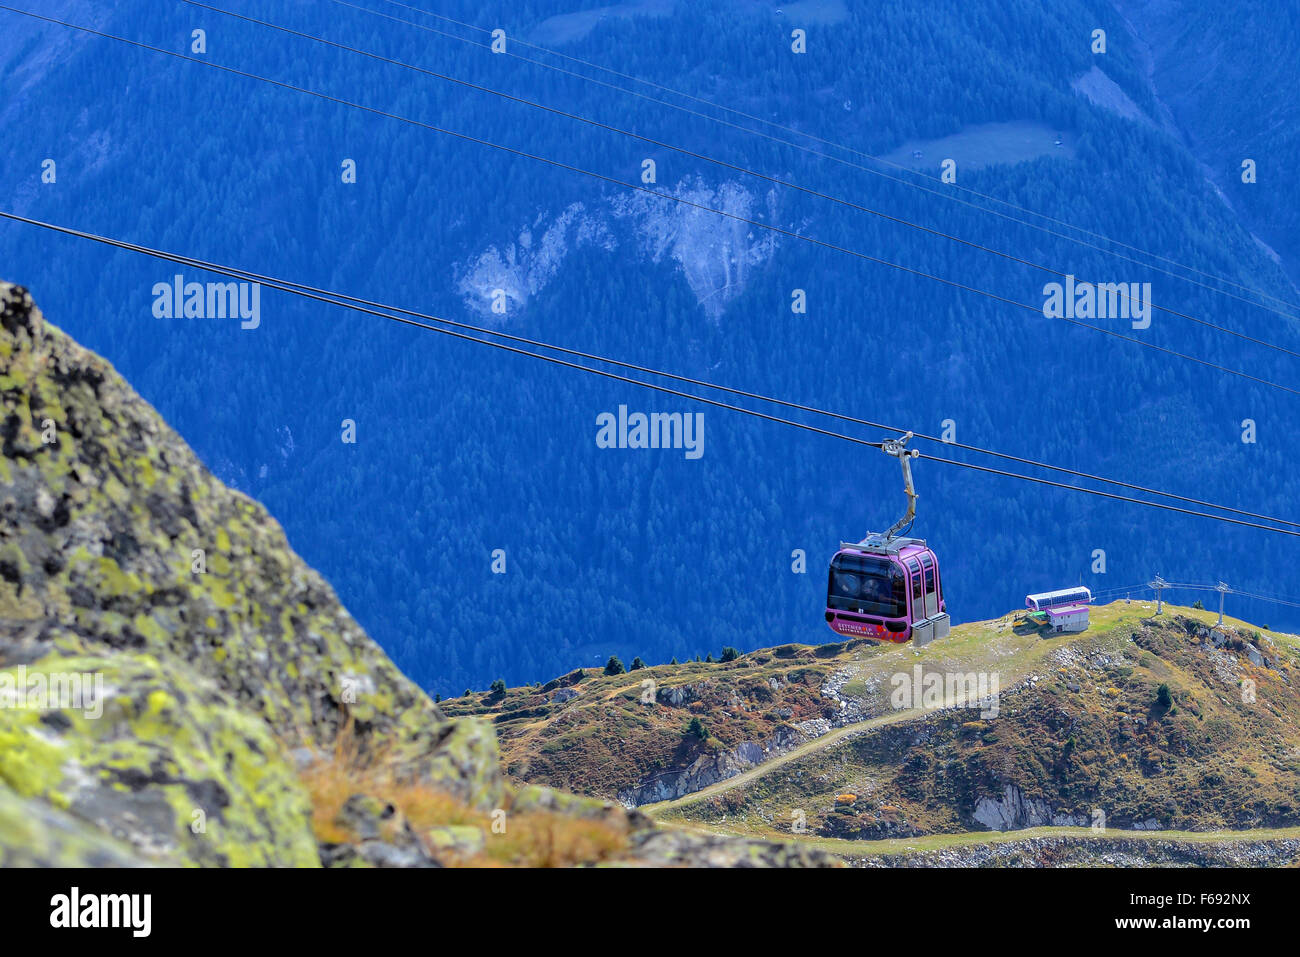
(1076, 729)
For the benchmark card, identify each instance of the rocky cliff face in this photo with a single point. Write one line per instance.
(718, 258)
(709, 769)
(173, 677)
(122, 557)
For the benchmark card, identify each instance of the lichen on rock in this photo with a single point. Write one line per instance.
(219, 648)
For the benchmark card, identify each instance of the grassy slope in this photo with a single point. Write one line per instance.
(1212, 762)
(606, 739)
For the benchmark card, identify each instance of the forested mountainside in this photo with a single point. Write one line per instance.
(1226, 112)
(461, 452)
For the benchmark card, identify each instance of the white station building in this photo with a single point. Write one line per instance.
(1068, 618)
(1065, 609)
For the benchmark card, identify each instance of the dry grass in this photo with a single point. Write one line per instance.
(529, 839)
(544, 839)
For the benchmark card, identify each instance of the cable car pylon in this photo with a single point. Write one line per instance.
(1158, 585)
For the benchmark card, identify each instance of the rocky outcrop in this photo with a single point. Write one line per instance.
(718, 256)
(124, 564)
(1011, 810)
(706, 769)
(710, 768)
(40, 835)
(173, 767)
(1101, 90)
(507, 278)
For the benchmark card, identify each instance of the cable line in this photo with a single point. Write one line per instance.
(1122, 498)
(786, 184)
(1231, 591)
(393, 314)
(741, 393)
(643, 189)
(290, 288)
(1119, 589)
(1279, 601)
(837, 159)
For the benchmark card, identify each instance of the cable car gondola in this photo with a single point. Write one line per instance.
(888, 586)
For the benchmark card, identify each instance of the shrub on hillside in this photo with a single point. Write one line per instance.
(1164, 697)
